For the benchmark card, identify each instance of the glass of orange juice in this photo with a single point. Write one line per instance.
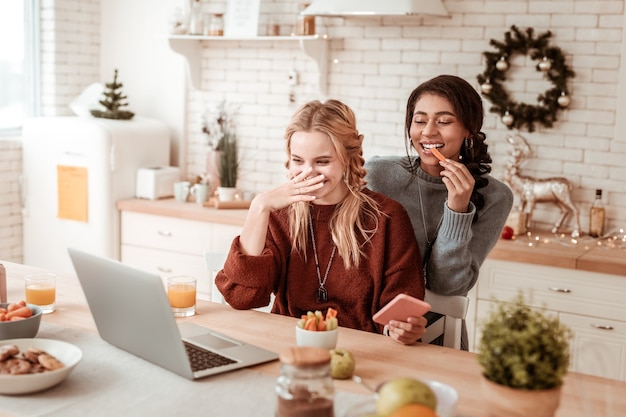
(181, 291)
(41, 291)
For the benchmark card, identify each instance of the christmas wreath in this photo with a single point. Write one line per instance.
(551, 64)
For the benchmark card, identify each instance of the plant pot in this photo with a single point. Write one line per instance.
(212, 170)
(510, 402)
(227, 193)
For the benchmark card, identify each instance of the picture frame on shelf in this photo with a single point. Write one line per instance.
(241, 18)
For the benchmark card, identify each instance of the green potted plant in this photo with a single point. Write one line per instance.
(524, 354)
(229, 165)
(223, 158)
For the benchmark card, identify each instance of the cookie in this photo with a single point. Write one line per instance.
(49, 362)
(32, 355)
(8, 351)
(16, 366)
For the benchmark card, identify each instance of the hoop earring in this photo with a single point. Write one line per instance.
(469, 148)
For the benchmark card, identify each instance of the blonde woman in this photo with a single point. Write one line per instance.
(322, 239)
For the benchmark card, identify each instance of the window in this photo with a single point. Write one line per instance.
(19, 29)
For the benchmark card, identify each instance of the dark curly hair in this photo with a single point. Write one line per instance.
(468, 107)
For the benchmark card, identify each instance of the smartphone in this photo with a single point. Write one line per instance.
(400, 308)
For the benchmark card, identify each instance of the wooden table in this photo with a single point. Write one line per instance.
(378, 357)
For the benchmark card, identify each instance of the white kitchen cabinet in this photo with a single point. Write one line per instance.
(591, 304)
(190, 47)
(173, 246)
(599, 345)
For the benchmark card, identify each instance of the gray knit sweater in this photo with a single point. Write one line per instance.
(460, 246)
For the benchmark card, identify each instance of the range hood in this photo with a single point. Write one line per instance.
(343, 8)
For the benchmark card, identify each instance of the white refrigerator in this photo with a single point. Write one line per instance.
(74, 171)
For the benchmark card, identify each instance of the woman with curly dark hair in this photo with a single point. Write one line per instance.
(457, 209)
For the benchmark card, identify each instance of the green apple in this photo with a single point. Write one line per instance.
(401, 391)
(342, 364)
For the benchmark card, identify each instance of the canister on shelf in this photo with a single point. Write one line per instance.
(196, 18)
(305, 25)
(215, 25)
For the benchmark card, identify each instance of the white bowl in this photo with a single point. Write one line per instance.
(447, 398)
(65, 352)
(326, 339)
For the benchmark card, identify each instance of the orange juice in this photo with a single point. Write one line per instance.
(40, 295)
(181, 295)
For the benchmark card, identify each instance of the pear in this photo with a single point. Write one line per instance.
(342, 364)
(397, 392)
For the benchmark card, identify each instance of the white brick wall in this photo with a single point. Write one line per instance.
(10, 207)
(70, 51)
(376, 62)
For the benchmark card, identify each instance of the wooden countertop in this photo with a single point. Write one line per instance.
(544, 248)
(190, 211)
(540, 248)
(378, 358)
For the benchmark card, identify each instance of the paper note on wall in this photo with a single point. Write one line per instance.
(72, 193)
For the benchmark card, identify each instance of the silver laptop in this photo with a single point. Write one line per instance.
(131, 311)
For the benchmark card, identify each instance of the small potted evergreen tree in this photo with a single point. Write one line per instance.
(112, 101)
(524, 355)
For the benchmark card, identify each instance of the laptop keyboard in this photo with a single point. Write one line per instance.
(204, 359)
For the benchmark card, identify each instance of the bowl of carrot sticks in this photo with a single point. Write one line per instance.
(19, 320)
(318, 330)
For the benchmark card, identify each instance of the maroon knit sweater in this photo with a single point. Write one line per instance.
(392, 265)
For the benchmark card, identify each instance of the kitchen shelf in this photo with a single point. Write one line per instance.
(190, 47)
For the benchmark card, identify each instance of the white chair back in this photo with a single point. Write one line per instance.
(453, 308)
(214, 263)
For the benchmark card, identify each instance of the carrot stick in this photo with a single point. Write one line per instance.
(13, 306)
(438, 154)
(310, 324)
(20, 312)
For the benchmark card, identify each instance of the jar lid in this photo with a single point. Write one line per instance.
(305, 356)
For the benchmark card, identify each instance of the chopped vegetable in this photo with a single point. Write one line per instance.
(316, 321)
(15, 311)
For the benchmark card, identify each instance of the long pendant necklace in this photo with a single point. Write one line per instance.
(322, 295)
(429, 247)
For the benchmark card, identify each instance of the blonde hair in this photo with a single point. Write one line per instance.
(347, 224)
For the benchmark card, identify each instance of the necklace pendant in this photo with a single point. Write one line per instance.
(322, 295)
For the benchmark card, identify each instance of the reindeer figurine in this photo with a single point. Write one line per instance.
(538, 190)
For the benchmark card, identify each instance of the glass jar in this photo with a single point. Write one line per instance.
(305, 387)
(215, 25)
(305, 25)
(196, 18)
